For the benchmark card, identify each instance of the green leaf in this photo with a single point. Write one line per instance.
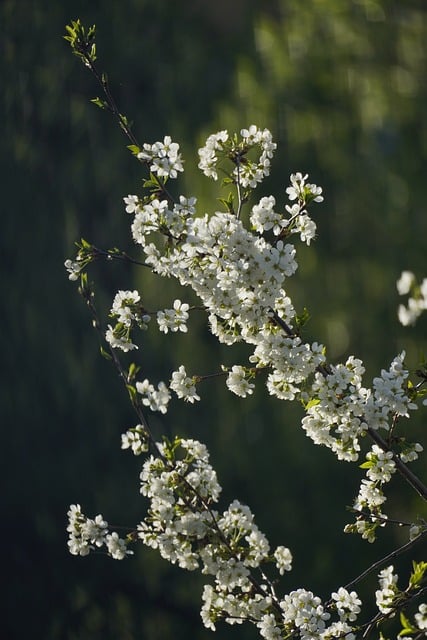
(84, 288)
(151, 183)
(134, 149)
(228, 202)
(82, 43)
(84, 244)
(312, 403)
(132, 391)
(302, 318)
(133, 371)
(407, 627)
(99, 103)
(83, 280)
(105, 353)
(419, 569)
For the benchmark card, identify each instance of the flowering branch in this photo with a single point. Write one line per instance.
(238, 270)
(83, 46)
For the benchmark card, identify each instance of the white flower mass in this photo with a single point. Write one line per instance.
(239, 276)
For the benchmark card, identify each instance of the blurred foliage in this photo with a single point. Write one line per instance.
(342, 86)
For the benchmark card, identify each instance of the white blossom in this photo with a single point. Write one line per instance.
(85, 534)
(132, 203)
(237, 382)
(421, 617)
(268, 627)
(207, 154)
(347, 604)
(303, 610)
(174, 319)
(405, 282)
(264, 218)
(240, 277)
(283, 557)
(123, 307)
(164, 157)
(183, 386)
(119, 342)
(385, 595)
(116, 546)
(136, 440)
(306, 227)
(417, 302)
(155, 399)
(383, 465)
(74, 268)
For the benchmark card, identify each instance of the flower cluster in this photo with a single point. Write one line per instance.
(238, 383)
(417, 302)
(74, 268)
(187, 530)
(127, 310)
(303, 191)
(157, 215)
(380, 464)
(264, 218)
(421, 617)
(118, 338)
(305, 611)
(388, 589)
(304, 614)
(164, 157)
(173, 319)
(215, 144)
(389, 599)
(184, 386)
(341, 409)
(239, 274)
(155, 399)
(86, 534)
(211, 256)
(246, 173)
(179, 490)
(135, 439)
(283, 558)
(85, 255)
(347, 604)
(391, 395)
(335, 411)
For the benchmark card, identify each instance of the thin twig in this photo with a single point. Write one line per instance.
(111, 104)
(387, 558)
(119, 255)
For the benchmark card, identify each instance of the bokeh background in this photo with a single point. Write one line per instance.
(343, 88)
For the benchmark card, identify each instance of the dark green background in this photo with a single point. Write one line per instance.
(343, 88)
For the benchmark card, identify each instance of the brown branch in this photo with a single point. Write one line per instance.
(410, 477)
